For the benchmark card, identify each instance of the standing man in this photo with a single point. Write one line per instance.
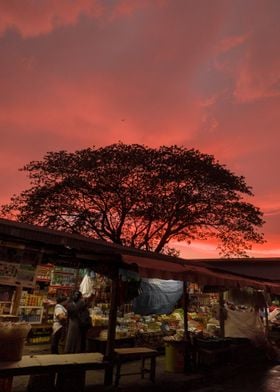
(59, 323)
(79, 322)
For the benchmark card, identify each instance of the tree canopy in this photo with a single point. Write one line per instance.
(141, 197)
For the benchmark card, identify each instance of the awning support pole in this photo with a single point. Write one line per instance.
(109, 354)
(16, 300)
(186, 308)
(187, 341)
(222, 314)
(266, 315)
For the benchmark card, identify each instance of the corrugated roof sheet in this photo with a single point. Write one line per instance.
(262, 273)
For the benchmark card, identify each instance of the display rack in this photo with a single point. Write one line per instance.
(31, 314)
(44, 273)
(40, 334)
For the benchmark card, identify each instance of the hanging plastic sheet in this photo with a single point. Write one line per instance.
(157, 296)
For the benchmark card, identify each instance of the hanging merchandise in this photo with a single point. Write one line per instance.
(245, 323)
(86, 286)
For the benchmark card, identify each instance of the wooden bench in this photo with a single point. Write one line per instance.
(99, 344)
(66, 370)
(143, 353)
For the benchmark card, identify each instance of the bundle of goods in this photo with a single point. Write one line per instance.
(12, 337)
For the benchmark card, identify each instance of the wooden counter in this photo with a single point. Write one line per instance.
(62, 372)
(48, 363)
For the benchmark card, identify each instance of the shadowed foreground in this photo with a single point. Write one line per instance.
(255, 375)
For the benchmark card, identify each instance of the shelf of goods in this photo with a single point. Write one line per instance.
(28, 299)
(31, 314)
(63, 281)
(134, 329)
(44, 273)
(31, 308)
(203, 313)
(40, 334)
(48, 313)
(151, 331)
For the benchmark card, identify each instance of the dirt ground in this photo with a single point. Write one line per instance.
(253, 373)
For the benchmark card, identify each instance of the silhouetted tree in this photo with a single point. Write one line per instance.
(140, 197)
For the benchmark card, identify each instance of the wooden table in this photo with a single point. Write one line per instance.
(69, 369)
(124, 354)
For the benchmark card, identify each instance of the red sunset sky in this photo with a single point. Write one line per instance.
(198, 73)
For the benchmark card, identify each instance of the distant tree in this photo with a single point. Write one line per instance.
(140, 197)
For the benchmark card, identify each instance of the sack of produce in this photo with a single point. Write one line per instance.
(12, 338)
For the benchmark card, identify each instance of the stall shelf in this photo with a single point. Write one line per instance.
(40, 333)
(31, 314)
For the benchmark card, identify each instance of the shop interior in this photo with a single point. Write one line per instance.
(209, 312)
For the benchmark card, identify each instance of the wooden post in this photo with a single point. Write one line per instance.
(188, 357)
(16, 300)
(266, 315)
(222, 314)
(109, 353)
(185, 306)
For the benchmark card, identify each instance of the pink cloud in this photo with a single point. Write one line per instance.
(254, 84)
(88, 83)
(92, 72)
(231, 42)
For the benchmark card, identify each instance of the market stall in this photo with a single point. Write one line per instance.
(68, 251)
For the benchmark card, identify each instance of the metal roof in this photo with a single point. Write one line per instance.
(77, 250)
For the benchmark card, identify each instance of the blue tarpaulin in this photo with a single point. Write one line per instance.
(157, 296)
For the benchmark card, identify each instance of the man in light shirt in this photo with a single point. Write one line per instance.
(59, 323)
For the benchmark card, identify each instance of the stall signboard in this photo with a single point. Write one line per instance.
(26, 274)
(18, 267)
(17, 273)
(63, 277)
(23, 272)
